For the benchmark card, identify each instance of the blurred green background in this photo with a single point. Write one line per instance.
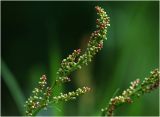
(36, 36)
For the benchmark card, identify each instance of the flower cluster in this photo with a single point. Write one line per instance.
(97, 37)
(61, 80)
(68, 63)
(124, 98)
(70, 95)
(136, 89)
(75, 60)
(152, 82)
(42, 96)
(131, 89)
(38, 98)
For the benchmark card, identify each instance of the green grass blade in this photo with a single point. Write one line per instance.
(13, 87)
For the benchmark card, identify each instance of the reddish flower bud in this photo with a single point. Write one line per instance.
(97, 8)
(100, 45)
(43, 77)
(78, 51)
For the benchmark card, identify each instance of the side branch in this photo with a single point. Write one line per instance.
(135, 90)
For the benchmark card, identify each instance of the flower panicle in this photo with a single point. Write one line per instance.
(95, 43)
(68, 63)
(71, 95)
(136, 89)
(124, 98)
(152, 82)
(61, 80)
(39, 95)
(75, 60)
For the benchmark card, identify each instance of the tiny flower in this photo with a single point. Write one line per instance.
(43, 78)
(100, 45)
(78, 51)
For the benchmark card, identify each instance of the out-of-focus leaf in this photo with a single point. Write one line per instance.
(13, 86)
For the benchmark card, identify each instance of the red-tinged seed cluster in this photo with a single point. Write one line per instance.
(135, 89)
(100, 45)
(124, 98)
(35, 101)
(96, 39)
(67, 64)
(43, 78)
(99, 35)
(94, 34)
(104, 19)
(78, 51)
(74, 61)
(48, 93)
(42, 82)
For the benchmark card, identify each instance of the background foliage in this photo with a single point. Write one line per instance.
(37, 35)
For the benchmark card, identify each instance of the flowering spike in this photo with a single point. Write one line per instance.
(75, 61)
(41, 94)
(136, 89)
(97, 37)
(71, 95)
(35, 101)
